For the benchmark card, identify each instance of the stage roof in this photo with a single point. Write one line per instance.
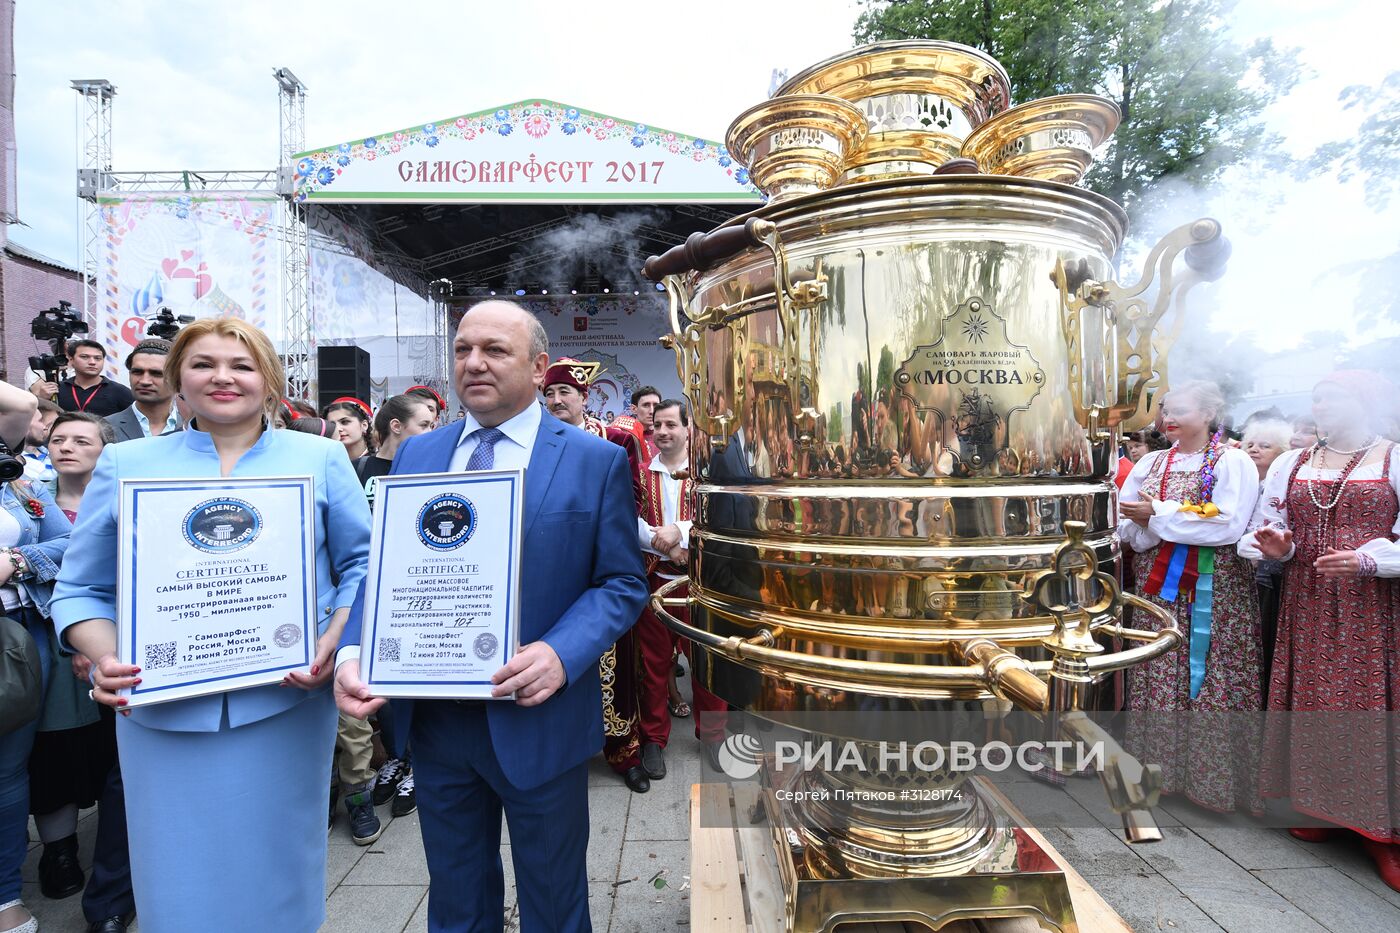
(504, 247)
(536, 195)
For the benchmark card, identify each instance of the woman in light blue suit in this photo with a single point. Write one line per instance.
(225, 794)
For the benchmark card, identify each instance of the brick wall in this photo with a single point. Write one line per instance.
(26, 288)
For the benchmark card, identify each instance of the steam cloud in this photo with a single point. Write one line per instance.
(597, 248)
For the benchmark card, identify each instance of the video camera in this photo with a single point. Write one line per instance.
(56, 325)
(167, 325)
(11, 467)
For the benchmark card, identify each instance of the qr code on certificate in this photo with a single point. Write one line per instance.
(160, 655)
(389, 649)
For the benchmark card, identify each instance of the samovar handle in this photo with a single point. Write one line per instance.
(1141, 359)
(700, 251)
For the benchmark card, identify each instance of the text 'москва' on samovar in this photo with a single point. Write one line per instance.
(908, 373)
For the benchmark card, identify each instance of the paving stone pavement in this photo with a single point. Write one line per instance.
(1207, 878)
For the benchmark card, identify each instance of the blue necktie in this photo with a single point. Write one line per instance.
(484, 457)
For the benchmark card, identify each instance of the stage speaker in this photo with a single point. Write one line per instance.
(341, 371)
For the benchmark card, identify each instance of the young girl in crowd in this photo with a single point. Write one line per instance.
(224, 792)
(352, 420)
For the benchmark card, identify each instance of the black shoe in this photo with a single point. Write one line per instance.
(335, 799)
(710, 750)
(386, 782)
(405, 800)
(60, 875)
(114, 924)
(636, 779)
(653, 761)
(365, 827)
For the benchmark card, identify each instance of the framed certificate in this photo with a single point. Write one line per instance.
(216, 584)
(442, 597)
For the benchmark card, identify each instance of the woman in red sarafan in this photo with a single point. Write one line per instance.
(1331, 512)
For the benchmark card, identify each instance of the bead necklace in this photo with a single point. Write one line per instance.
(1311, 482)
(1324, 528)
(1206, 488)
(1375, 439)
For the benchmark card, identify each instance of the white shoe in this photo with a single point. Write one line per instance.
(29, 926)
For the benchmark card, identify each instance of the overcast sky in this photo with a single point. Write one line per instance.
(195, 91)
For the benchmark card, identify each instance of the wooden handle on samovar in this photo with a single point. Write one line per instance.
(702, 250)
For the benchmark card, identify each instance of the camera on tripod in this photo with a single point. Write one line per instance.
(166, 325)
(56, 325)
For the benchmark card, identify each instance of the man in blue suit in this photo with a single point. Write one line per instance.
(582, 586)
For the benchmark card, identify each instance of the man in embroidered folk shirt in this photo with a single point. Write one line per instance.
(88, 390)
(663, 530)
(565, 390)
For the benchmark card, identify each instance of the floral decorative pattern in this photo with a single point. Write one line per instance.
(319, 169)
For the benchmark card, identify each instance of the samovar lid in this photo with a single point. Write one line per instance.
(967, 77)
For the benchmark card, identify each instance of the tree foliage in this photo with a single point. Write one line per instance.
(1372, 153)
(1190, 94)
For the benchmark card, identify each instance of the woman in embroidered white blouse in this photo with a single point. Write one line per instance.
(1182, 512)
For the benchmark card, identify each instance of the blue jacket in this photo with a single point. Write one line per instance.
(582, 586)
(87, 585)
(42, 541)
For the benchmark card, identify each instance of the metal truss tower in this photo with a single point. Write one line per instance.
(94, 177)
(298, 325)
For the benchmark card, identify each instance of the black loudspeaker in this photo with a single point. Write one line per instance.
(341, 371)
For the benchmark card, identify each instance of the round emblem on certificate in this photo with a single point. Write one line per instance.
(223, 525)
(485, 645)
(286, 635)
(446, 522)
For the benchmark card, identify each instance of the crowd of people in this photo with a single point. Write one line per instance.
(177, 807)
(1274, 549)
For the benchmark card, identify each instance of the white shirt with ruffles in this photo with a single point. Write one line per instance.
(1236, 490)
(1384, 551)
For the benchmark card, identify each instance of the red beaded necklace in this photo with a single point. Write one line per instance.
(1335, 496)
(1210, 454)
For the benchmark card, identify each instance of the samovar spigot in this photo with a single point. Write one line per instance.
(1132, 787)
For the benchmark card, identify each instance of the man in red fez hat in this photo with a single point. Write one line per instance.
(566, 385)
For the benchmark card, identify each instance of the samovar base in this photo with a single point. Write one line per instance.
(1017, 878)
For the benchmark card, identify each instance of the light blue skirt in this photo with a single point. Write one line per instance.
(228, 829)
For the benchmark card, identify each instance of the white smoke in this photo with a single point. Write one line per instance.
(597, 248)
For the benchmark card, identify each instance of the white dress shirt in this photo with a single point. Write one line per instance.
(670, 508)
(512, 453)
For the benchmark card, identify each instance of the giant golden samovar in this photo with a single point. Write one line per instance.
(908, 374)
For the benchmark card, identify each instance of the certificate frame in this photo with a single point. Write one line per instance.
(135, 621)
(399, 497)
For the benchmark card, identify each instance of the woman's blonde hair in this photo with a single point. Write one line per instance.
(1206, 394)
(265, 358)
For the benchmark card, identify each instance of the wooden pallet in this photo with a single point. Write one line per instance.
(735, 885)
